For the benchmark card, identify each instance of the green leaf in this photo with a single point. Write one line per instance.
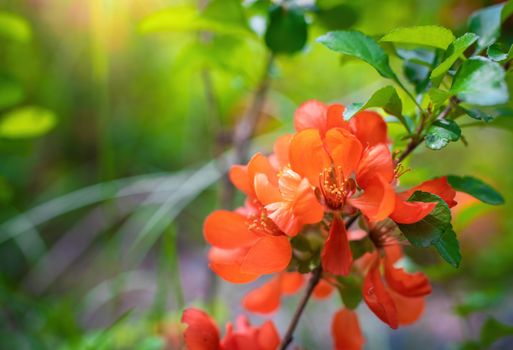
(476, 188)
(27, 122)
(438, 96)
(496, 53)
(417, 66)
(494, 330)
(448, 247)
(478, 114)
(188, 19)
(11, 92)
(441, 132)
(486, 23)
(338, 17)
(455, 50)
(359, 45)
(14, 27)
(287, 30)
(386, 98)
(432, 230)
(350, 291)
(481, 82)
(433, 36)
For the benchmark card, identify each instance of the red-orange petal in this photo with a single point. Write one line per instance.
(308, 156)
(335, 117)
(377, 298)
(345, 150)
(369, 127)
(268, 337)
(311, 115)
(265, 191)
(281, 150)
(410, 212)
(239, 177)
(375, 161)
(346, 331)
(268, 255)
(336, 254)
(306, 206)
(439, 186)
(227, 265)
(323, 290)
(377, 201)
(407, 284)
(228, 230)
(291, 282)
(264, 299)
(202, 332)
(260, 164)
(409, 309)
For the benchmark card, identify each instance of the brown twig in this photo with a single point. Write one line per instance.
(312, 283)
(419, 138)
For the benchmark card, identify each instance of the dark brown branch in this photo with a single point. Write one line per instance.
(312, 283)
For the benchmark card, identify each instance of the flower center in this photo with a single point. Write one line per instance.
(261, 223)
(335, 187)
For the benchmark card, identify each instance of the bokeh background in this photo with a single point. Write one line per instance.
(114, 135)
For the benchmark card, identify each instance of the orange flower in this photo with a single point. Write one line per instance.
(344, 172)
(266, 298)
(246, 244)
(346, 331)
(401, 300)
(202, 333)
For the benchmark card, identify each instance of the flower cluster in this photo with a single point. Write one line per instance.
(325, 198)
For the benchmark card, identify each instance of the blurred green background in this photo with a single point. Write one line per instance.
(114, 123)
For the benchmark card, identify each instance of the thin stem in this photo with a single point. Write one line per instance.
(418, 139)
(312, 283)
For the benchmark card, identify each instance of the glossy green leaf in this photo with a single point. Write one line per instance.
(478, 114)
(359, 45)
(496, 53)
(14, 27)
(455, 50)
(386, 98)
(441, 132)
(432, 229)
(287, 30)
(476, 188)
(27, 122)
(486, 23)
(433, 36)
(448, 247)
(481, 82)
